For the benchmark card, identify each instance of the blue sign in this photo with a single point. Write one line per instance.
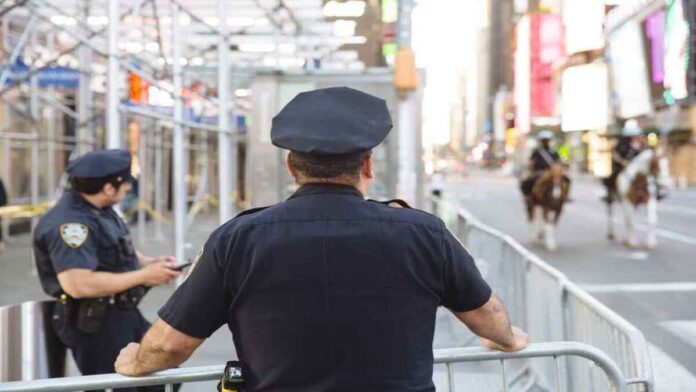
(53, 76)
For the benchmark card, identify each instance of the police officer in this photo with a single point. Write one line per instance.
(85, 259)
(628, 147)
(542, 158)
(327, 291)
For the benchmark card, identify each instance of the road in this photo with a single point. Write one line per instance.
(653, 289)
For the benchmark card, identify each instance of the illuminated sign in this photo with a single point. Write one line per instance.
(629, 71)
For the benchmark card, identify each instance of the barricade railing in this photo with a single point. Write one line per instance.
(552, 351)
(548, 305)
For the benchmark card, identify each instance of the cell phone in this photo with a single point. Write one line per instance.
(180, 267)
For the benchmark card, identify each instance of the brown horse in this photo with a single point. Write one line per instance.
(635, 187)
(545, 203)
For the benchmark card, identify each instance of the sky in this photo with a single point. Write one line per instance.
(443, 33)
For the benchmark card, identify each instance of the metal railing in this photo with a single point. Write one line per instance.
(549, 306)
(551, 350)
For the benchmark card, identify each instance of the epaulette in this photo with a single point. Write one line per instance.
(251, 211)
(399, 202)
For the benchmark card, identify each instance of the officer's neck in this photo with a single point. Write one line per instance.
(362, 185)
(98, 200)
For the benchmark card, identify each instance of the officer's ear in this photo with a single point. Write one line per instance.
(109, 189)
(289, 166)
(366, 169)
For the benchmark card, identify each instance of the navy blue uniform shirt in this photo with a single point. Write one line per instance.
(542, 160)
(76, 234)
(329, 292)
(624, 150)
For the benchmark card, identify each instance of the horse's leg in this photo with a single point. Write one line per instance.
(629, 219)
(536, 223)
(651, 237)
(550, 230)
(610, 220)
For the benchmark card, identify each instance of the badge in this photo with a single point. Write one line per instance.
(74, 234)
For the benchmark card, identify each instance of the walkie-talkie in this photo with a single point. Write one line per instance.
(232, 378)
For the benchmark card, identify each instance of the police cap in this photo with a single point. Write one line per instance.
(101, 164)
(337, 122)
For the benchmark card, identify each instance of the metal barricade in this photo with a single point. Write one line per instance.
(542, 300)
(552, 351)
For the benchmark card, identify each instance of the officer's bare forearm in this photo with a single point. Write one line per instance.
(490, 321)
(84, 283)
(163, 347)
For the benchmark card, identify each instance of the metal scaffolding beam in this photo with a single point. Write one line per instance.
(179, 188)
(225, 153)
(113, 129)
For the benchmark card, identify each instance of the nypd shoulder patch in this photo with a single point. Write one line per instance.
(74, 234)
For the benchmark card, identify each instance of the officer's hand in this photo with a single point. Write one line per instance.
(169, 261)
(127, 359)
(158, 273)
(521, 342)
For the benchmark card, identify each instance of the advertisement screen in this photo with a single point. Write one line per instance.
(676, 52)
(655, 35)
(629, 71)
(585, 97)
(584, 25)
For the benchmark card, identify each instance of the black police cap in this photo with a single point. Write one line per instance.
(332, 122)
(101, 164)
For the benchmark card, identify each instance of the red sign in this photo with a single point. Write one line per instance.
(546, 48)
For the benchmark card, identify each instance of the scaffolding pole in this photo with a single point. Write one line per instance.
(36, 119)
(179, 164)
(225, 158)
(84, 96)
(5, 126)
(408, 156)
(51, 145)
(113, 134)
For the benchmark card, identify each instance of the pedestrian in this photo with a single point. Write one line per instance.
(3, 202)
(327, 291)
(85, 259)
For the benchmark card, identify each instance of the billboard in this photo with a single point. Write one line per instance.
(677, 52)
(585, 96)
(539, 46)
(584, 25)
(629, 71)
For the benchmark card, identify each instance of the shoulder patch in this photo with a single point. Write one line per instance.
(394, 203)
(74, 234)
(251, 211)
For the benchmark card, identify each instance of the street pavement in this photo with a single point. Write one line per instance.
(653, 289)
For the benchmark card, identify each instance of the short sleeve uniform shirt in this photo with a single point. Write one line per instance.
(329, 292)
(76, 234)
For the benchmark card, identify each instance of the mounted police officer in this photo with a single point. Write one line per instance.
(630, 144)
(542, 158)
(327, 291)
(85, 259)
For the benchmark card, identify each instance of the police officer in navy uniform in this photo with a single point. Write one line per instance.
(85, 259)
(629, 145)
(542, 158)
(327, 291)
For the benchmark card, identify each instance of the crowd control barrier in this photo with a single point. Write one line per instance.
(552, 351)
(544, 302)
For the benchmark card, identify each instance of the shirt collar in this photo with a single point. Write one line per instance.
(78, 200)
(324, 189)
